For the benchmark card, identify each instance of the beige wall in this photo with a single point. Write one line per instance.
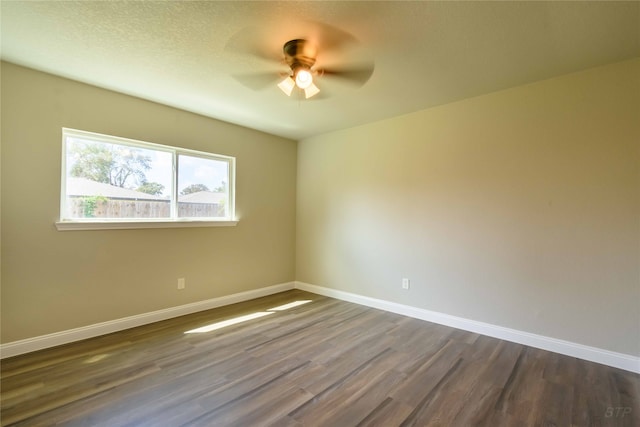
(54, 281)
(519, 208)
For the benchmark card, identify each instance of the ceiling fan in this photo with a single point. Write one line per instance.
(300, 56)
(304, 57)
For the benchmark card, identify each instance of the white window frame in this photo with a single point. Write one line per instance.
(133, 223)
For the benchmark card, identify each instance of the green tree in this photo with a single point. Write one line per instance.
(152, 188)
(194, 188)
(90, 203)
(222, 188)
(111, 164)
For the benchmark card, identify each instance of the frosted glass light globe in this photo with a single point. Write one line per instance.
(303, 79)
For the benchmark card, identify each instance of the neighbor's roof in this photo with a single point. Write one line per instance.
(87, 187)
(79, 187)
(203, 197)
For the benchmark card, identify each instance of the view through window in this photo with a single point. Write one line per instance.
(107, 178)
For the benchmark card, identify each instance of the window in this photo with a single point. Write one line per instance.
(108, 182)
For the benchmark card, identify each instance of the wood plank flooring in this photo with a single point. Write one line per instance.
(324, 363)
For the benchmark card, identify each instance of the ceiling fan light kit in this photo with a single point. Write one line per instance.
(287, 85)
(303, 78)
(300, 56)
(311, 90)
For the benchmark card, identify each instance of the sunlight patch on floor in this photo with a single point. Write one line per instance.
(225, 323)
(245, 318)
(96, 358)
(290, 305)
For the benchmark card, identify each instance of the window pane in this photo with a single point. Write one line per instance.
(202, 187)
(107, 180)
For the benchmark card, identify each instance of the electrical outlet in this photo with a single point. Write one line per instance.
(405, 284)
(181, 283)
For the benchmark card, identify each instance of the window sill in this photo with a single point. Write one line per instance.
(127, 225)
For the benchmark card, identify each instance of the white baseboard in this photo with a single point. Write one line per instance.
(64, 337)
(568, 348)
(593, 354)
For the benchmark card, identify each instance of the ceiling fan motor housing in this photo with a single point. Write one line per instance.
(299, 54)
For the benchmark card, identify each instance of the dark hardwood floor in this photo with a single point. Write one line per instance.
(324, 363)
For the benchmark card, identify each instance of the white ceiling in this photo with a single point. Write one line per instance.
(425, 53)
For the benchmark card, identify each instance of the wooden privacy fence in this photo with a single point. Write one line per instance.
(96, 207)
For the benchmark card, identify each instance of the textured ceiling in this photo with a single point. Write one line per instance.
(425, 53)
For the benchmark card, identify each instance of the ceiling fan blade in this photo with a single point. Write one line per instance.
(357, 75)
(328, 37)
(250, 41)
(320, 96)
(258, 81)
(299, 95)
